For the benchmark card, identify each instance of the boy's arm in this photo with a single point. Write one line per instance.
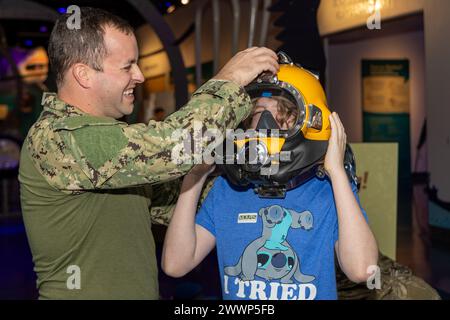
(186, 243)
(356, 248)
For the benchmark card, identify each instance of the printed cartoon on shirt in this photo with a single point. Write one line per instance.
(270, 256)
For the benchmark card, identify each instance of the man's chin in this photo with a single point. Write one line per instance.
(128, 108)
(124, 110)
(131, 108)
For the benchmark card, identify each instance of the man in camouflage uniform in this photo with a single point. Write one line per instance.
(87, 179)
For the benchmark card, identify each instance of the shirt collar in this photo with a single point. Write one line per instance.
(50, 100)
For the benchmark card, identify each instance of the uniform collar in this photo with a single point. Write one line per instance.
(51, 101)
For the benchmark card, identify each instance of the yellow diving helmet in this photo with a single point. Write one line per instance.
(286, 136)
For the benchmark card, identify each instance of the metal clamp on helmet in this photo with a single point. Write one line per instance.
(283, 142)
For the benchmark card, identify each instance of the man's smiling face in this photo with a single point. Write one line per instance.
(114, 86)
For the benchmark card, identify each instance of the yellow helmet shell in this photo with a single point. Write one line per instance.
(310, 89)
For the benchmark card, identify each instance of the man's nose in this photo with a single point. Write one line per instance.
(137, 75)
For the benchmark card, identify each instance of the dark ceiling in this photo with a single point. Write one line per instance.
(29, 33)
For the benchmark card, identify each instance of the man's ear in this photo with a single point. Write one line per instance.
(82, 74)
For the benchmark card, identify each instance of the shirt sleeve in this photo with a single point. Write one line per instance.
(336, 232)
(205, 215)
(79, 154)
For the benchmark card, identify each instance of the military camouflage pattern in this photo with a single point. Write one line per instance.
(76, 152)
(91, 187)
(164, 197)
(397, 283)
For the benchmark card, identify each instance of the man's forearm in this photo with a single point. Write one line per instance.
(216, 106)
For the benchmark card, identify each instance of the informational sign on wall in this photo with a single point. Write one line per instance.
(386, 86)
(339, 15)
(376, 167)
(386, 105)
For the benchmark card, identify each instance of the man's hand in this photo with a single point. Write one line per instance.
(334, 159)
(246, 65)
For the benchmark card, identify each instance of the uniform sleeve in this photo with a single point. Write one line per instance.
(84, 155)
(164, 197)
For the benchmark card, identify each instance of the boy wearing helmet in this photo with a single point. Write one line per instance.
(270, 248)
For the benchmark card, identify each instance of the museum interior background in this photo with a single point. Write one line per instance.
(383, 64)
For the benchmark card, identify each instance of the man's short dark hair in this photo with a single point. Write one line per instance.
(85, 45)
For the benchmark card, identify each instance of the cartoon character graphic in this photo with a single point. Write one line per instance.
(271, 256)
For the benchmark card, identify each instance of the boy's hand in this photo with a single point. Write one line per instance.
(334, 159)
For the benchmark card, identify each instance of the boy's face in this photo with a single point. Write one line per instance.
(269, 104)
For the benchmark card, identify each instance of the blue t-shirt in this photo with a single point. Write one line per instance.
(274, 249)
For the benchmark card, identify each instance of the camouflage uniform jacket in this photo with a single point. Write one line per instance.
(87, 184)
